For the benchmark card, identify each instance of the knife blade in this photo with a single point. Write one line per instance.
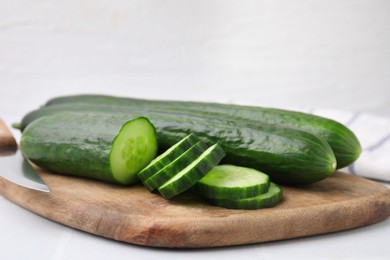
(15, 168)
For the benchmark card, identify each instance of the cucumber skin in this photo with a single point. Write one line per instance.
(289, 156)
(174, 188)
(46, 142)
(249, 203)
(343, 141)
(148, 171)
(160, 177)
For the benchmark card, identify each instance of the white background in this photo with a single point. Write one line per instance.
(313, 53)
(330, 54)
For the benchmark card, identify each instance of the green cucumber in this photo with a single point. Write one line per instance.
(92, 145)
(191, 174)
(343, 141)
(265, 200)
(169, 155)
(178, 164)
(287, 155)
(232, 182)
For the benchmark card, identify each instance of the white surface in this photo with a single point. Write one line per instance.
(328, 54)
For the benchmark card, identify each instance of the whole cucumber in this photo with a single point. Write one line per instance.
(343, 141)
(288, 155)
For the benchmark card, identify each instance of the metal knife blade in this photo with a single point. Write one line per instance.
(18, 170)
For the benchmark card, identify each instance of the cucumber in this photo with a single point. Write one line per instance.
(265, 200)
(167, 172)
(343, 141)
(169, 155)
(232, 182)
(287, 155)
(92, 145)
(191, 174)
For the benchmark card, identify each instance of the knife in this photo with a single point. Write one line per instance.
(13, 166)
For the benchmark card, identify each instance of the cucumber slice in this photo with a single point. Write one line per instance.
(168, 156)
(191, 174)
(266, 200)
(132, 149)
(163, 175)
(232, 182)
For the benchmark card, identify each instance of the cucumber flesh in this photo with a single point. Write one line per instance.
(233, 182)
(191, 174)
(166, 173)
(132, 149)
(265, 200)
(169, 155)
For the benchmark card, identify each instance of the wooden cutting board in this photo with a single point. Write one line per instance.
(134, 215)
(7, 141)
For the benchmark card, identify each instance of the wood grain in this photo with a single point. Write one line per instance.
(7, 141)
(134, 215)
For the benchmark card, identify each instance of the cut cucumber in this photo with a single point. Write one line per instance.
(191, 174)
(92, 145)
(286, 154)
(168, 156)
(182, 161)
(266, 200)
(232, 182)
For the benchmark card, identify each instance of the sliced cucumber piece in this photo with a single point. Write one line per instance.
(191, 174)
(265, 200)
(132, 149)
(232, 182)
(168, 156)
(163, 175)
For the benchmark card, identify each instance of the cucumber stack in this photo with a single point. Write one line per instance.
(235, 187)
(226, 186)
(344, 143)
(288, 155)
(291, 147)
(173, 173)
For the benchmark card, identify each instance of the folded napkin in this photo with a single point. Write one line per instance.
(373, 132)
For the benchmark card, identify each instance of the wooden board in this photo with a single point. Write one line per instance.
(134, 215)
(7, 141)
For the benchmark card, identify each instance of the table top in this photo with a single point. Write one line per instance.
(280, 54)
